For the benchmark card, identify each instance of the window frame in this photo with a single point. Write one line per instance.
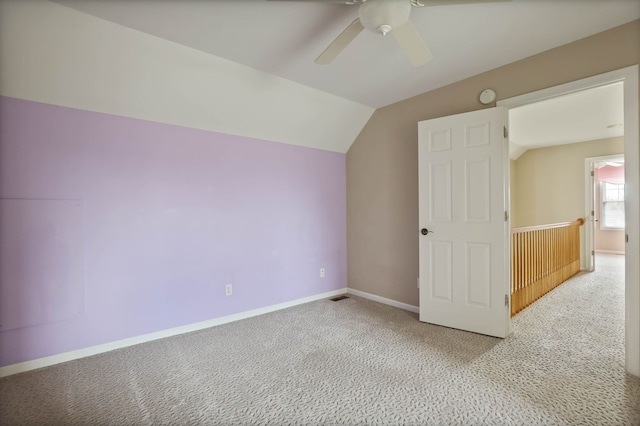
(604, 201)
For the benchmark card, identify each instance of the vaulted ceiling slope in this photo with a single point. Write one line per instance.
(245, 67)
(284, 38)
(54, 54)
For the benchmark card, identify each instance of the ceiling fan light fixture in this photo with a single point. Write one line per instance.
(383, 16)
(384, 29)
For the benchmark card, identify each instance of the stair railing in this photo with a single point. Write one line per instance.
(542, 257)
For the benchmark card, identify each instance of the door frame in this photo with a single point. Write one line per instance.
(629, 77)
(589, 205)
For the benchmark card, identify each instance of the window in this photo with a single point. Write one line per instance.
(612, 205)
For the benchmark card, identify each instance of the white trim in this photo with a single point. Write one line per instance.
(587, 262)
(629, 76)
(106, 347)
(384, 300)
(506, 184)
(609, 252)
(571, 87)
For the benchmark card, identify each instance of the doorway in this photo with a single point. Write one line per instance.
(629, 78)
(604, 208)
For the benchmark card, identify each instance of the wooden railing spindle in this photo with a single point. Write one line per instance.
(542, 257)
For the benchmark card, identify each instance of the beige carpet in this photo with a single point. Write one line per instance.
(357, 362)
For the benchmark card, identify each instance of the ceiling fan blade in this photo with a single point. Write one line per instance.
(340, 43)
(452, 2)
(408, 38)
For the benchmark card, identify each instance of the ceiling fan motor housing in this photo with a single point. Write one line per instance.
(383, 16)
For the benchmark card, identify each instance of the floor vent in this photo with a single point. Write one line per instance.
(335, 299)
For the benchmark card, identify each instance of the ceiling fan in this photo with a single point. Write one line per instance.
(386, 17)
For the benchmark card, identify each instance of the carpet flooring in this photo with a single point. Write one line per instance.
(357, 362)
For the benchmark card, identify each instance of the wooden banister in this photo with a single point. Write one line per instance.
(578, 222)
(542, 257)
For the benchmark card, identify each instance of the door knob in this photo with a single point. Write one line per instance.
(425, 231)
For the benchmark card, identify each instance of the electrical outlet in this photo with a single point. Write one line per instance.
(229, 289)
(321, 272)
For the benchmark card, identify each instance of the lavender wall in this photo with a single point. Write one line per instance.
(169, 216)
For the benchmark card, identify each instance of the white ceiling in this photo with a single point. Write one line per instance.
(284, 38)
(57, 55)
(596, 113)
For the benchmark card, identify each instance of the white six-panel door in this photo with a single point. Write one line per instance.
(464, 256)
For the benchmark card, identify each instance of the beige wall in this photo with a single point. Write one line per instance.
(550, 181)
(382, 165)
(608, 240)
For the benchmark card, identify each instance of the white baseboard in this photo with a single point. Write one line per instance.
(610, 251)
(106, 347)
(384, 300)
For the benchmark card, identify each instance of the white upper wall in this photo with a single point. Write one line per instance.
(53, 54)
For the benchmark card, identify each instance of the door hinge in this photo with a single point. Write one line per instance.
(592, 213)
(593, 252)
(506, 216)
(626, 238)
(592, 174)
(506, 132)
(506, 300)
